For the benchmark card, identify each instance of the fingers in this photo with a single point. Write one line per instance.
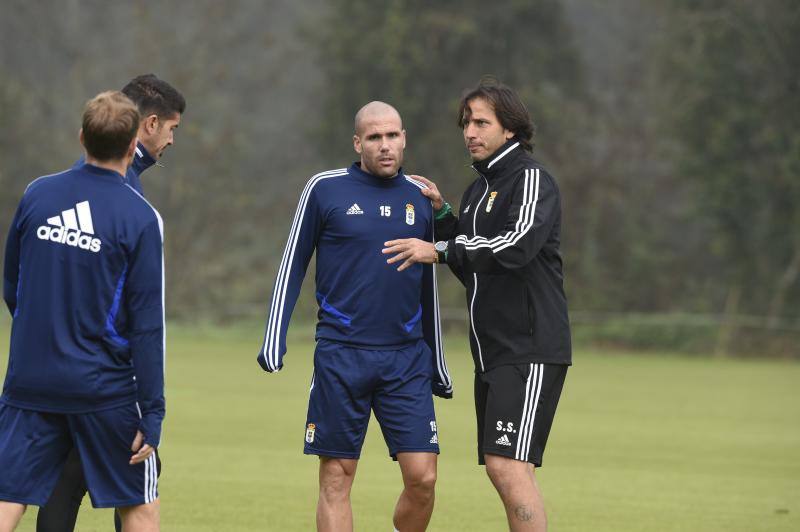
(143, 454)
(400, 252)
(406, 264)
(137, 441)
(400, 242)
(398, 257)
(428, 183)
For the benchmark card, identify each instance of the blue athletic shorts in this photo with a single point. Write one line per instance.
(349, 381)
(34, 446)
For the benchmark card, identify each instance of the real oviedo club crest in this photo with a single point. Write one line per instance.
(409, 214)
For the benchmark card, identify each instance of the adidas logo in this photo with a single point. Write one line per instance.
(355, 209)
(503, 440)
(75, 229)
(467, 209)
(435, 439)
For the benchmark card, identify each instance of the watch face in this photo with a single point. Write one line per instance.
(440, 246)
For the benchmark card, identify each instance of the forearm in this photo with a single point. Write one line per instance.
(445, 225)
(147, 350)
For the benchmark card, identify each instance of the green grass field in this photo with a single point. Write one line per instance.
(640, 443)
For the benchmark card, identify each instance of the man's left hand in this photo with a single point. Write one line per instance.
(143, 452)
(411, 250)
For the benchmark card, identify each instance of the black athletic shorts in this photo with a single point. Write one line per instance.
(515, 407)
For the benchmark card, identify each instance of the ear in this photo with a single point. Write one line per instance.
(80, 137)
(357, 144)
(404, 139)
(151, 124)
(509, 134)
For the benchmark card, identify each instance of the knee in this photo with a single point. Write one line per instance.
(499, 472)
(334, 488)
(423, 484)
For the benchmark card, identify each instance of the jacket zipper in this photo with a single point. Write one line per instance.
(475, 275)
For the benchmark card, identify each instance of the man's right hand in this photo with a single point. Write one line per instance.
(432, 192)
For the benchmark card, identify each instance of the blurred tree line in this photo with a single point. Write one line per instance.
(671, 127)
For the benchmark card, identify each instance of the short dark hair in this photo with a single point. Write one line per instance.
(154, 96)
(110, 123)
(510, 111)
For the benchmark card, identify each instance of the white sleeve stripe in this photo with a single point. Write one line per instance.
(271, 349)
(524, 200)
(419, 184)
(525, 221)
(163, 284)
(42, 177)
(441, 363)
(272, 336)
(504, 236)
(530, 211)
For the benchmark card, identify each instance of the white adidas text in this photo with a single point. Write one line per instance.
(69, 233)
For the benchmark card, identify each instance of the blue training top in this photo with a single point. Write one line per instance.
(347, 215)
(84, 281)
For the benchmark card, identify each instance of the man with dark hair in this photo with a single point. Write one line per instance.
(504, 247)
(160, 108)
(378, 337)
(83, 280)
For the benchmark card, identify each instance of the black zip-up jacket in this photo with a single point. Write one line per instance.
(504, 249)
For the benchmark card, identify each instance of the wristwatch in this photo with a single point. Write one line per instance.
(441, 251)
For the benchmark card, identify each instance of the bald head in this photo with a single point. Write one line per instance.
(379, 139)
(375, 111)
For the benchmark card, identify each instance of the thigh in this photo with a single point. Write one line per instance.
(339, 402)
(61, 511)
(33, 447)
(104, 442)
(521, 402)
(403, 401)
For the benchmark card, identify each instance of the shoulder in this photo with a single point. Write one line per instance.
(413, 182)
(535, 172)
(43, 181)
(323, 180)
(328, 174)
(142, 209)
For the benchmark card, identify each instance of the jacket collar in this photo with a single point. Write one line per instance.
(363, 175)
(496, 162)
(144, 156)
(98, 171)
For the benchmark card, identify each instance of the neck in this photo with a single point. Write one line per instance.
(117, 165)
(140, 140)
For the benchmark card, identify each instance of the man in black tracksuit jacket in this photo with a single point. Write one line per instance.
(504, 247)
